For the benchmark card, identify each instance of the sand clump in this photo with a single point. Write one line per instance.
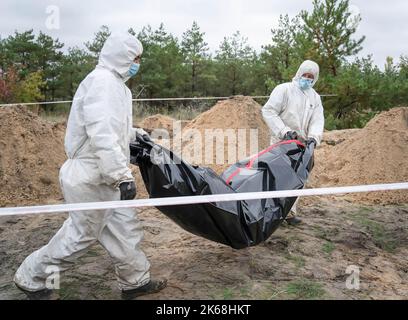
(375, 154)
(31, 153)
(239, 114)
(157, 121)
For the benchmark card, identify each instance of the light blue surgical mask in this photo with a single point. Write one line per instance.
(305, 83)
(134, 69)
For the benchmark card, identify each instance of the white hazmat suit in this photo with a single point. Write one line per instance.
(97, 145)
(290, 108)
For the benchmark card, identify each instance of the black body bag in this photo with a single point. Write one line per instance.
(239, 224)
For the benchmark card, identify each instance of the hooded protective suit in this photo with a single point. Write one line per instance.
(97, 145)
(290, 108)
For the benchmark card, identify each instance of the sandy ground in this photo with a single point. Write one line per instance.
(305, 262)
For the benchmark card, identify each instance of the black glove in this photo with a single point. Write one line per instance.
(291, 135)
(127, 190)
(310, 141)
(143, 134)
(144, 137)
(147, 138)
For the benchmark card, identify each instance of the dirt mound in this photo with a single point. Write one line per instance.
(32, 152)
(157, 121)
(376, 154)
(235, 117)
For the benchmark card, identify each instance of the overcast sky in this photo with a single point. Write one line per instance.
(385, 23)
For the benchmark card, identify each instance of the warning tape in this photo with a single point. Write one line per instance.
(143, 100)
(159, 202)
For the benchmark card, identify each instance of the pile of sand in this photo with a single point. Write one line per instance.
(31, 153)
(157, 121)
(238, 114)
(376, 154)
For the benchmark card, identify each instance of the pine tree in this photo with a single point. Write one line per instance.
(97, 43)
(284, 54)
(161, 71)
(331, 28)
(233, 58)
(77, 63)
(20, 51)
(49, 57)
(195, 52)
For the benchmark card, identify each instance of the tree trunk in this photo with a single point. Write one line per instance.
(334, 70)
(193, 78)
(234, 82)
(71, 87)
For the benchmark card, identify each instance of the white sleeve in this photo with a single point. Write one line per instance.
(272, 110)
(137, 131)
(104, 123)
(316, 124)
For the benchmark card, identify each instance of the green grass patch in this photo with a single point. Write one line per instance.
(325, 234)
(305, 290)
(328, 247)
(298, 261)
(381, 236)
(219, 293)
(228, 294)
(70, 291)
(271, 293)
(364, 211)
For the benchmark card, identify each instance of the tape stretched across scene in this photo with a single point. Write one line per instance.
(190, 200)
(141, 100)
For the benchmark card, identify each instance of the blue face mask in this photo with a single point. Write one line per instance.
(134, 68)
(305, 83)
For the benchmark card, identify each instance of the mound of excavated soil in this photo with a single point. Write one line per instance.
(157, 121)
(31, 153)
(239, 115)
(377, 153)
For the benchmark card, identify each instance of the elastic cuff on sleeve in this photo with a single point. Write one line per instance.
(284, 131)
(117, 184)
(318, 140)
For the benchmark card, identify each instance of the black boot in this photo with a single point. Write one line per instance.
(45, 294)
(293, 221)
(153, 286)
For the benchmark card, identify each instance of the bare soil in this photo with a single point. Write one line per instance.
(31, 153)
(375, 154)
(157, 121)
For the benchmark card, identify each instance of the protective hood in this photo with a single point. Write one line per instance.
(118, 53)
(308, 66)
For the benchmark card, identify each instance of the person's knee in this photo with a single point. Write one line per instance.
(84, 228)
(71, 241)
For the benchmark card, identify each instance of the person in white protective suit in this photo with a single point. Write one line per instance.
(97, 145)
(294, 111)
